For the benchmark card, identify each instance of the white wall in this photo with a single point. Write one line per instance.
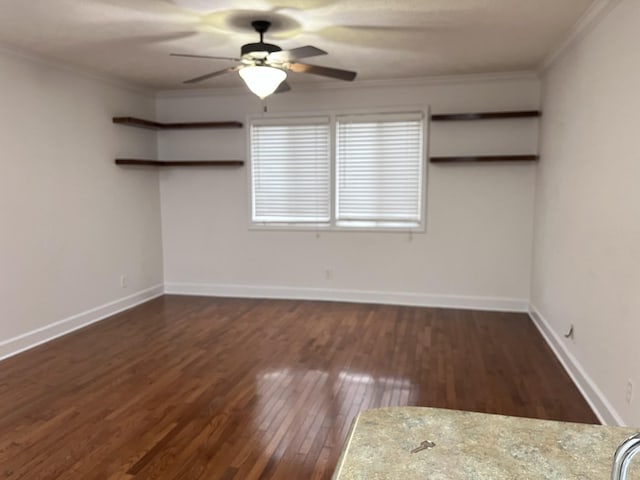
(477, 248)
(71, 222)
(587, 235)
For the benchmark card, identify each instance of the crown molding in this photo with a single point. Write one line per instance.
(359, 84)
(11, 51)
(597, 12)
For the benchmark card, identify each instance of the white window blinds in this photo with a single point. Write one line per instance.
(379, 169)
(291, 171)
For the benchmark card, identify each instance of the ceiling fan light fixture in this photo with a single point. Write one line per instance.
(262, 80)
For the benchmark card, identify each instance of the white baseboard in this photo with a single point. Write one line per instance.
(590, 391)
(356, 296)
(42, 335)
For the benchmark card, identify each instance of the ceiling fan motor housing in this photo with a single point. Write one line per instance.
(250, 48)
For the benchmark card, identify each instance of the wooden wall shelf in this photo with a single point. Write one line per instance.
(179, 163)
(452, 117)
(485, 158)
(151, 125)
(449, 117)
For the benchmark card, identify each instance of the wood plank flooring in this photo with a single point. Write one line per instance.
(234, 389)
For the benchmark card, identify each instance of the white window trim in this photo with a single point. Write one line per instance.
(332, 226)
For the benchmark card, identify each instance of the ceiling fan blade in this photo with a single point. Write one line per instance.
(323, 71)
(284, 87)
(204, 56)
(295, 53)
(213, 74)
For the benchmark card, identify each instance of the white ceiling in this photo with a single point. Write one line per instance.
(380, 39)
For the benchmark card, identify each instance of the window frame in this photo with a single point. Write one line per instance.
(332, 225)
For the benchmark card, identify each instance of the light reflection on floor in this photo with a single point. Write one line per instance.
(320, 394)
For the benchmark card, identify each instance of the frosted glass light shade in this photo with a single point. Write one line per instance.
(261, 80)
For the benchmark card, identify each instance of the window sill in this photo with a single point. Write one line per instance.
(418, 229)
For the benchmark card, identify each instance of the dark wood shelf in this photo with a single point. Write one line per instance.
(151, 125)
(179, 163)
(485, 158)
(448, 117)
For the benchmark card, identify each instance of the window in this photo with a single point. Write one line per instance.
(291, 169)
(339, 171)
(379, 170)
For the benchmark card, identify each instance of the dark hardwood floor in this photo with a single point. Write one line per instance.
(221, 389)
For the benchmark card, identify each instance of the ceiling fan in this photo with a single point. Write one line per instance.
(264, 66)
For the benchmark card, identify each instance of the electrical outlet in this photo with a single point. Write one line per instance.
(124, 281)
(629, 391)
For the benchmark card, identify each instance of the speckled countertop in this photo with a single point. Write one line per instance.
(476, 446)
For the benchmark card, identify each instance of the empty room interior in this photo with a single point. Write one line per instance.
(319, 239)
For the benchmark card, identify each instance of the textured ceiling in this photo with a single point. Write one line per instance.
(380, 39)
